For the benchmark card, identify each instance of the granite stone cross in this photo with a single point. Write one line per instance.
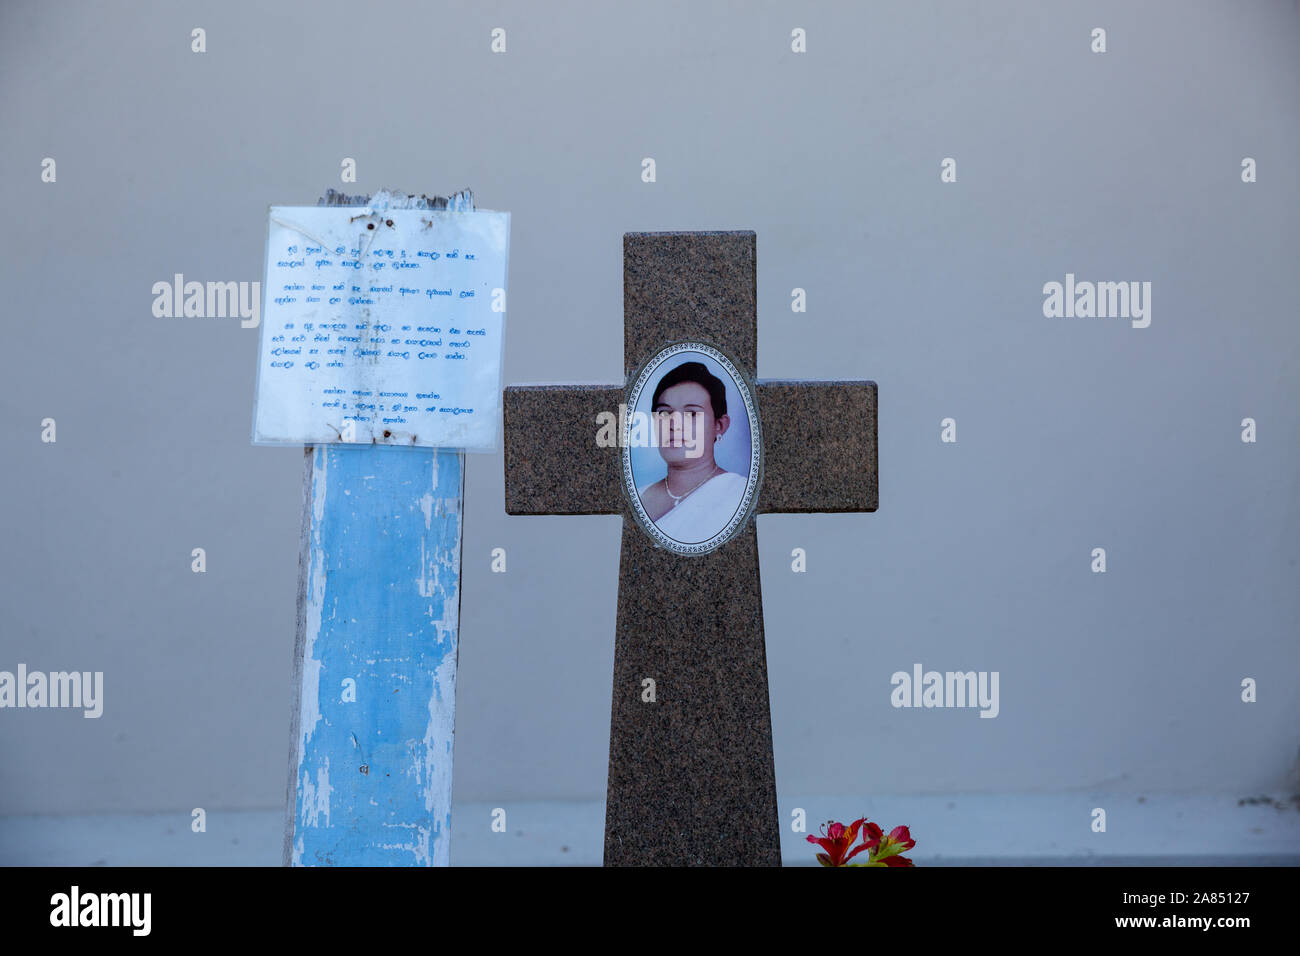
(691, 778)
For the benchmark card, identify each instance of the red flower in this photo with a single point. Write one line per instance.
(888, 849)
(901, 835)
(873, 832)
(885, 850)
(836, 842)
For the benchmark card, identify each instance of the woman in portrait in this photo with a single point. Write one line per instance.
(697, 498)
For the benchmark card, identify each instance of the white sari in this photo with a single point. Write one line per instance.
(705, 511)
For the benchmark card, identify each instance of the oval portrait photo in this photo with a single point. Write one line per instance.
(691, 450)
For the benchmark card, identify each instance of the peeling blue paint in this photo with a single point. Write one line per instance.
(382, 609)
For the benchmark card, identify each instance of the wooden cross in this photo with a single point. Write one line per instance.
(691, 778)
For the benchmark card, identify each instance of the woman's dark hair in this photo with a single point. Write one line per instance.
(698, 373)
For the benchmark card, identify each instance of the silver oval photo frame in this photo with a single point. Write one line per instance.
(649, 377)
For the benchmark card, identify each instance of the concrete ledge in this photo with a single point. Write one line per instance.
(951, 830)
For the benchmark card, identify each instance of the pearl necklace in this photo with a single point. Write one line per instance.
(677, 498)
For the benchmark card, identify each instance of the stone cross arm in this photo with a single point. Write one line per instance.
(819, 446)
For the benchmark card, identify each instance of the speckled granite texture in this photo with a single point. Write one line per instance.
(691, 778)
(819, 446)
(690, 287)
(553, 465)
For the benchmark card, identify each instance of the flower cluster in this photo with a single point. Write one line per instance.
(885, 850)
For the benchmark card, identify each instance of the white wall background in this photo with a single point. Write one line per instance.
(1073, 434)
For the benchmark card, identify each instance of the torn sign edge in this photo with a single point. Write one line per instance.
(459, 203)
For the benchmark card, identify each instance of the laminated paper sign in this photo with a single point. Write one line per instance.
(382, 326)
